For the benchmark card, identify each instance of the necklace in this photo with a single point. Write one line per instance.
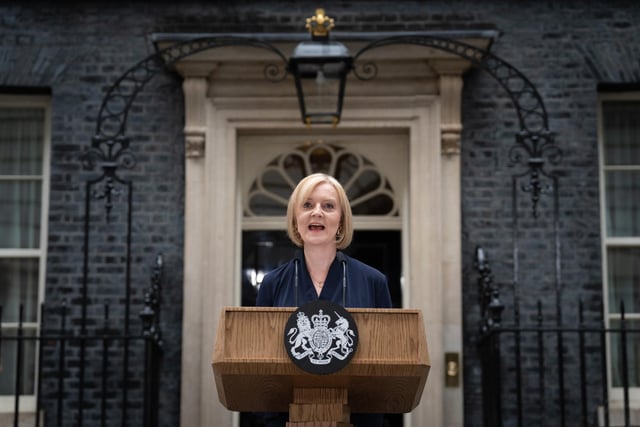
(318, 287)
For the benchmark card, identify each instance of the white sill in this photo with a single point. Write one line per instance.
(616, 414)
(25, 419)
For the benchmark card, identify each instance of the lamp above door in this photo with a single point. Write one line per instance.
(320, 68)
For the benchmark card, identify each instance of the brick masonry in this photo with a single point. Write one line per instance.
(565, 48)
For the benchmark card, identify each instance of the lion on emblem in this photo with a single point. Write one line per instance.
(299, 337)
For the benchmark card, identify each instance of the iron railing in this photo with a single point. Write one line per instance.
(106, 396)
(544, 373)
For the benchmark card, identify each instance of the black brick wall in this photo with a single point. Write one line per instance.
(565, 48)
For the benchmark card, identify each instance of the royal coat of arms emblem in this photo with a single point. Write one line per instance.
(321, 337)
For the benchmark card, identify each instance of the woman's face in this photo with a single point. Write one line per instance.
(318, 217)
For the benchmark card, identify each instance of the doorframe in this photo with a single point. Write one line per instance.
(212, 252)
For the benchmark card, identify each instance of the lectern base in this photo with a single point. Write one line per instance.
(319, 424)
(319, 407)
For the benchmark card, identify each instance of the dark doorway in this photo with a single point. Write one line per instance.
(262, 251)
(382, 250)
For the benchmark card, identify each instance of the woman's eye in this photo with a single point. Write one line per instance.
(306, 205)
(329, 206)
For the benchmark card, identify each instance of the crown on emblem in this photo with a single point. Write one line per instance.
(320, 320)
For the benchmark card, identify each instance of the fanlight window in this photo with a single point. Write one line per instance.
(368, 190)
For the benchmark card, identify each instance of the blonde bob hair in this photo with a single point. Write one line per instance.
(302, 192)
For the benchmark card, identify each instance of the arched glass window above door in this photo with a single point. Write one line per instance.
(369, 191)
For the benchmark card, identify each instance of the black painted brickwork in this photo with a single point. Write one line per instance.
(565, 48)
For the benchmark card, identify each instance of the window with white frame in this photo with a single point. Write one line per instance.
(24, 195)
(620, 207)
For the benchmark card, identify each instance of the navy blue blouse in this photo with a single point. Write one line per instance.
(356, 283)
(350, 283)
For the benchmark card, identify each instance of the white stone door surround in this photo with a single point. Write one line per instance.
(417, 89)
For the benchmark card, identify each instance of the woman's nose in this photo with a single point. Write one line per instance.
(316, 210)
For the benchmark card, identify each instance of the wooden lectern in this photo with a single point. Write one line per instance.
(253, 372)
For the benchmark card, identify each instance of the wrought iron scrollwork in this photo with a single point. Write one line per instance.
(490, 305)
(150, 314)
(110, 147)
(112, 117)
(365, 70)
(534, 138)
(533, 150)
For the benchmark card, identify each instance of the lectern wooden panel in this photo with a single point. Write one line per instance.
(254, 373)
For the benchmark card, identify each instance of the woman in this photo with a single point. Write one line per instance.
(320, 222)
